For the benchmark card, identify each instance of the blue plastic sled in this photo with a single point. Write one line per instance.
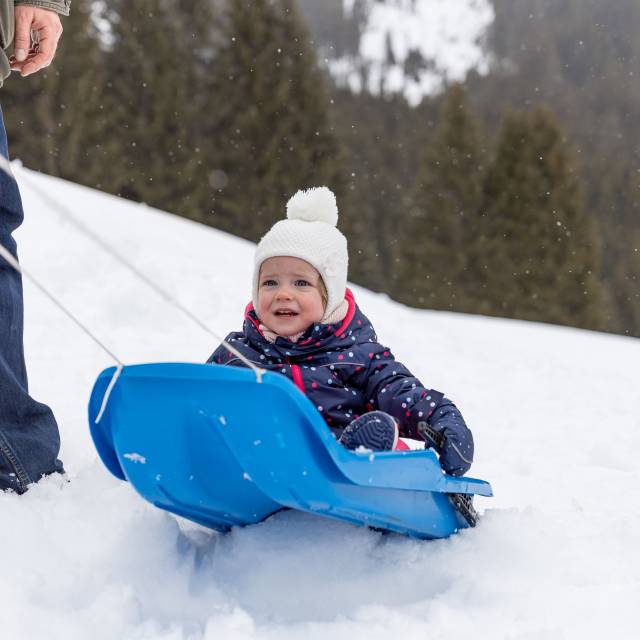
(213, 445)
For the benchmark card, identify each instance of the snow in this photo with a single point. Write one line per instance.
(135, 457)
(554, 412)
(447, 33)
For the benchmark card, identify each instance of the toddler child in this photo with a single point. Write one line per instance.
(304, 323)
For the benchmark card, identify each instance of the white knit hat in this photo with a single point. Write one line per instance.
(309, 233)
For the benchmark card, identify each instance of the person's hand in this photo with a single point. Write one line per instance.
(32, 55)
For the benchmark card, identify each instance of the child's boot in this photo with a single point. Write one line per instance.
(375, 430)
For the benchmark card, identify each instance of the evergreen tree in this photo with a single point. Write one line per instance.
(199, 27)
(441, 227)
(151, 99)
(55, 117)
(271, 135)
(579, 57)
(380, 137)
(536, 246)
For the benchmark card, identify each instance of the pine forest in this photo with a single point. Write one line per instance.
(515, 193)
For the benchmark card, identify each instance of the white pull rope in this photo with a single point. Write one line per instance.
(107, 393)
(66, 213)
(14, 263)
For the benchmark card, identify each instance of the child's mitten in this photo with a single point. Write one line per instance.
(448, 434)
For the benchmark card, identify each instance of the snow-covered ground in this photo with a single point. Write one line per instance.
(555, 414)
(447, 33)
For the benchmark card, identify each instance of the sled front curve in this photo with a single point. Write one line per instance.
(212, 444)
(158, 431)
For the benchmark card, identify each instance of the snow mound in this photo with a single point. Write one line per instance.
(553, 411)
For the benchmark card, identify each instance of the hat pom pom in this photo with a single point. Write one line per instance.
(317, 204)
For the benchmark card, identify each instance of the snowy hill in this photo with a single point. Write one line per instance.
(411, 46)
(554, 412)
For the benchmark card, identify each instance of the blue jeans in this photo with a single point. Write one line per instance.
(29, 437)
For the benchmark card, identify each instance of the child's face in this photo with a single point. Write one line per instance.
(289, 299)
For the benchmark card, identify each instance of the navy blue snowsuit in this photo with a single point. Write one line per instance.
(345, 372)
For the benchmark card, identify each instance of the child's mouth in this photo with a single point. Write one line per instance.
(286, 314)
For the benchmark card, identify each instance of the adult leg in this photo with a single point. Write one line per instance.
(29, 437)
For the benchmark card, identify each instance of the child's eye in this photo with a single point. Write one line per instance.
(301, 283)
(269, 283)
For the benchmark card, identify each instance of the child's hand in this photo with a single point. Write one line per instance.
(455, 456)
